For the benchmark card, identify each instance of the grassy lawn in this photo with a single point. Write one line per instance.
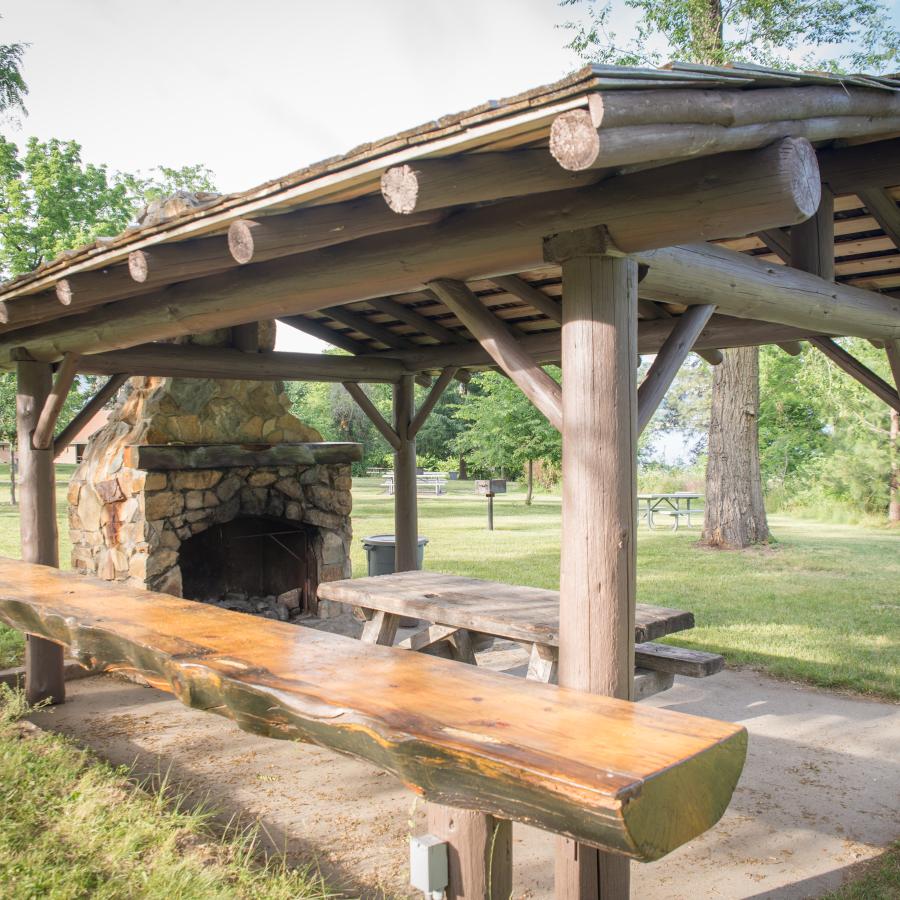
(821, 606)
(73, 826)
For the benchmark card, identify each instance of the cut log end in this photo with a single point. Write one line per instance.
(139, 266)
(799, 163)
(400, 189)
(574, 141)
(64, 291)
(240, 240)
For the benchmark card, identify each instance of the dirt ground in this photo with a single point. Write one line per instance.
(820, 793)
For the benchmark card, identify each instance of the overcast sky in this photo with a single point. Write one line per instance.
(254, 90)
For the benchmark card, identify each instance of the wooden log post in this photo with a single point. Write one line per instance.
(406, 518)
(597, 571)
(44, 675)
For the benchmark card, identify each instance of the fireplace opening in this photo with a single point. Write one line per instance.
(253, 564)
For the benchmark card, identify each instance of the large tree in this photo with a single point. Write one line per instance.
(772, 32)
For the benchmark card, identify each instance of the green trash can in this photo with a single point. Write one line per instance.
(380, 550)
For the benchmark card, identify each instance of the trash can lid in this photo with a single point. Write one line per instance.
(387, 540)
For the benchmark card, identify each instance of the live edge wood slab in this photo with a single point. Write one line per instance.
(633, 780)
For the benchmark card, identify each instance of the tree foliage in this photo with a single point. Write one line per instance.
(12, 85)
(787, 34)
(503, 428)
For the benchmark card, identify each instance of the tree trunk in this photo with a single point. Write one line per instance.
(735, 513)
(894, 508)
(530, 481)
(463, 471)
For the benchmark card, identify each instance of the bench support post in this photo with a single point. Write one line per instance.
(597, 574)
(44, 673)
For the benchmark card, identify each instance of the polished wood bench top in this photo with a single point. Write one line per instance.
(490, 607)
(627, 778)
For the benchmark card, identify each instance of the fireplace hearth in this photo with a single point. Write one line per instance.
(212, 491)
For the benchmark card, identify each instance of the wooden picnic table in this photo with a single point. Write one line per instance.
(455, 607)
(431, 481)
(668, 504)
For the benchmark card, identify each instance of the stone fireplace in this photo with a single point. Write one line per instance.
(212, 490)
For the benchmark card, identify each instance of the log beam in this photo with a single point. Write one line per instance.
(851, 169)
(884, 209)
(529, 294)
(375, 417)
(544, 347)
(503, 348)
(583, 139)
(424, 411)
(315, 227)
(855, 369)
(778, 185)
(180, 261)
(792, 348)
(892, 348)
(742, 286)
(315, 328)
(416, 320)
(44, 667)
(778, 241)
(654, 311)
(187, 361)
(475, 178)
(359, 322)
(87, 412)
(65, 375)
(668, 361)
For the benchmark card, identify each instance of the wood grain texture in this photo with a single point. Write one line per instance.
(44, 667)
(489, 607)
(700, 200)
(168, 457)
(502, 346)
(191, 361)
(627, 778)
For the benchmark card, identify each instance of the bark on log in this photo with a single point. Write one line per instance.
(44, 666)
(474, 178)
(597, 568)
(319, 226)
(851, 169)
(190, 361)
(65, 375)
(374, 416)
(503, 348)
(855, 369)
(665, 778)
(529, 294)
(544, 347)
(744, 287)
(704, 199)
(617, 109)
(669, 360)
(181, 261)
(428, 404)
(578, 145)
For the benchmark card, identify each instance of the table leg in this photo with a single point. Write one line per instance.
(381, 629)
(543, 663)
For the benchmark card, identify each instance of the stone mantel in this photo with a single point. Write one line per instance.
(170, 457)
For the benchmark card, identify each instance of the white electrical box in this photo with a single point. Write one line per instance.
(428, 864)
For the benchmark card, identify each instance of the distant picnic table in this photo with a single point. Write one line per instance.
(427, 482)
(668, 505)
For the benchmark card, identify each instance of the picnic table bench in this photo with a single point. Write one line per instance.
(428, 482)
(629, 779)
(456, 607)
(668, 504)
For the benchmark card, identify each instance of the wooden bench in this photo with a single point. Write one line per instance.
(529, 616)
(628, 779)
(679, 514)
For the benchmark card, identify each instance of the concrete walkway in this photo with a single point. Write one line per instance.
(819, 795)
